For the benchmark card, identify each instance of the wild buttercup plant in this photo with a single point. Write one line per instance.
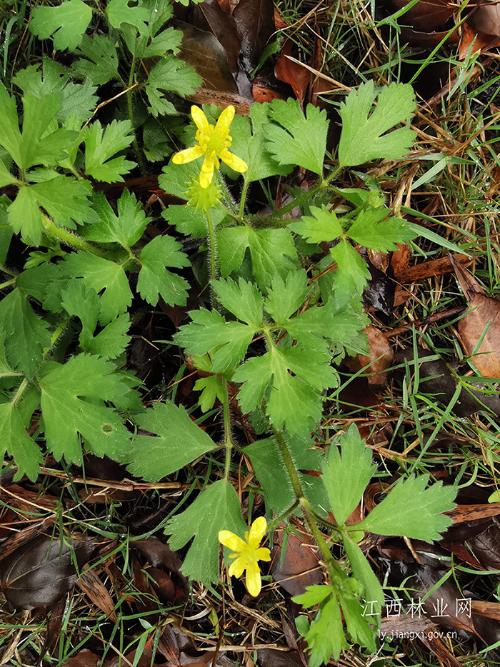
(276, 322)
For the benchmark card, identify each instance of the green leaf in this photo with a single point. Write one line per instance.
(154, 278)
(284, 297)
(249, 143)
(297, 139)
(313, 595)
(73, 406)
(322, 225)
(293, 402)
(227, 342)
(216, 508)
(176, 178)
(363, 573)
(212, 388)
(341, 327)
(10, 136)
(411, 510)
(82, 302)
(325, 637)
(26, 334)
(125, 227)
(167, 40)
(351, 274)
(273, 478)
(107, 278)
(65, 200)
(40, 141)
(24, 216)
(101, 145)
(242, 299)
(358, 627)
(272, 251)
(186, 219)
(232, 243)
(121, 11)
(365, 130)
(346, 473)
(76, 100)
(15, 440)
(5, 230)
(373, 228)
(66, 23)
(99, 63)
(6, 178)
(173, 76)
(156, 456)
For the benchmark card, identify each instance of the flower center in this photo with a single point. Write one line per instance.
(213, 139)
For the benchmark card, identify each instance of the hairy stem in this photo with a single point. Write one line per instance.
(307, 511)
(141, 158)
(228, 431)
(213, 269)
(244, 192)
(69, 238)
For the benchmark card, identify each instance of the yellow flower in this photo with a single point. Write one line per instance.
(213, 143)
(247, 553)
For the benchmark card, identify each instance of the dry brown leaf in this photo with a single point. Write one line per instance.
(482, 30)
(479, 329)
(84, 658)
(463, 513)
(97, 593)
(299, 567)
(378, 360)
(290, 72)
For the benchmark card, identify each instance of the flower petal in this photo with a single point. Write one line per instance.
(199, 118)
(263, 554)
(231, 541)
(207, 170)
(237, 568)
(225, 119)
(253, 581)
(257, 531)
(233, 161)
(187, 155)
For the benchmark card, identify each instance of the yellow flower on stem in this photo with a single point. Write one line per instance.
(213, 142)
(246, 553)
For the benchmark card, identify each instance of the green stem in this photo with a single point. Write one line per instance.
(301, 199)
(53, 340)
(8, 283)
(212, 254)
(69, 238)
(244, 192)
(141, 158)
(307, 511)
(281, 517)
(228, 431)
(20, 392)
(226, 194)
(213, 271)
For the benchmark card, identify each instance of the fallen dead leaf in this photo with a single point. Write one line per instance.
(299, 566)
(157, 569)
(97, 593)
(84, 658)
(288, 71)
(482, 30)
(479, 329)
(378, 360)
(42, 570)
